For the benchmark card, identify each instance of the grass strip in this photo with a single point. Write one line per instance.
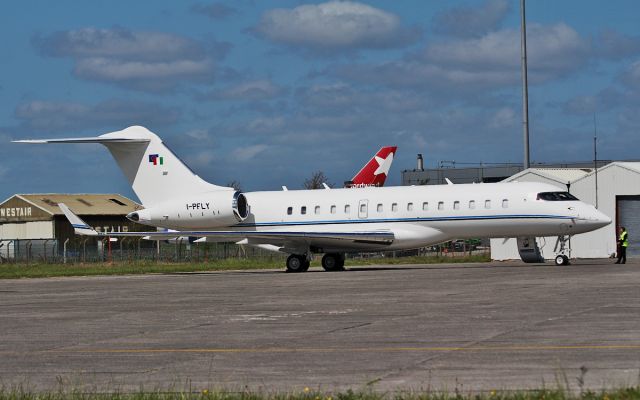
(35, 270)
(632, 393)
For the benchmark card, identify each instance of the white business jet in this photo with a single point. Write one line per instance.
(335, 221)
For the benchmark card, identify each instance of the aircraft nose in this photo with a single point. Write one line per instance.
(602, 219)
(597, 219)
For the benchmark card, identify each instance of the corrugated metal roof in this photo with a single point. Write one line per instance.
(567, 175)
(631, 165)
(83, 204)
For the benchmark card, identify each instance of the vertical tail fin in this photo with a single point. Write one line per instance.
(375, 172)
(155, 173)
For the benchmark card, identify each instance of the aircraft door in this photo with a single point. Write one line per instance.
(363, 209)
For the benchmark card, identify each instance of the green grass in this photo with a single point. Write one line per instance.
(35, 270)
(632, 393)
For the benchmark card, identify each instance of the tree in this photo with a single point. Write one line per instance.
(235, 184)
(316, 181)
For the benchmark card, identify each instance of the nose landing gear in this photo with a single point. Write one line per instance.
(563, 251)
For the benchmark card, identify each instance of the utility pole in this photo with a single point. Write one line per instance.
(595, 155)
(525, 90)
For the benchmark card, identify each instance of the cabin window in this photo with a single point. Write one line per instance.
(317, 210)
(456, 205)
(347, 209)
(289, 210)
(394, 207)
(363, 208)
(425, 206)
(441, 205)
(409, 206)
(505, 203)
(472, 204)
(333, 209)
(303, 210)
(487, 204)
(380, 208)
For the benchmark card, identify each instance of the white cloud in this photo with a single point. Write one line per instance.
(334, 26)
(148, 61)
(631, 76)
(472, 21)
(255, 90)
(118, 43)
(62, 116)
(504, 117)
(152, 76)
(552, 50)
(491, 61)
(249, 152)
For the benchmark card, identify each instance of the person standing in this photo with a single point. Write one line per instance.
(623, 243)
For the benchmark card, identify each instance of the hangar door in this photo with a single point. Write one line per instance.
(629, 217)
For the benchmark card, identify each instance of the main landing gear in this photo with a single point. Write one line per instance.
(301, 262)
(563, 252)
(333, 262)
(298, 263)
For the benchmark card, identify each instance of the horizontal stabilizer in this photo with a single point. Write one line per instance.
(79, 226)
(97, 139)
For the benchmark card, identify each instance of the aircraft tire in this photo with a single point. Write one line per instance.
(561, 259)
(297, 263)
(333, 262)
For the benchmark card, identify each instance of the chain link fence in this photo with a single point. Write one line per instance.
(137, 250)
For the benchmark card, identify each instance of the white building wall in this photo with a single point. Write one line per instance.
(613, 180)
(27, 230)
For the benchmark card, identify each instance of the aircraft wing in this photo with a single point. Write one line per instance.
(283, 237)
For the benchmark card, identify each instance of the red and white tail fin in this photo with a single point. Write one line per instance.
(375, 172)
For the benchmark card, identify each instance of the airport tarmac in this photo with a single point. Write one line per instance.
(468, 327)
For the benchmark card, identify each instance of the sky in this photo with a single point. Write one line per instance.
(264, 93)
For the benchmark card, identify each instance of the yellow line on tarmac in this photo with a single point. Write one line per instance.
(350, 349)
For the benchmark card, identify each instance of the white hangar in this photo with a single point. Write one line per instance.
(614, 188)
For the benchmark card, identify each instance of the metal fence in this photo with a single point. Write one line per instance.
(136, 250)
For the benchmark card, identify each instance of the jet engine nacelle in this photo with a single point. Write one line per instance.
(198, 211)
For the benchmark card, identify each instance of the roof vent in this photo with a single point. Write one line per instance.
(49, 202)
(118, 202)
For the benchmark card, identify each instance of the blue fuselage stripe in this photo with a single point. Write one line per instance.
(417, 219)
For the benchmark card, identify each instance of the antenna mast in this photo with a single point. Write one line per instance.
(525, 90)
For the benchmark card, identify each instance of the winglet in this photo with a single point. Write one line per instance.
(79, 226)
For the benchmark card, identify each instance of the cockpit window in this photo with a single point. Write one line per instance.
(556, 196)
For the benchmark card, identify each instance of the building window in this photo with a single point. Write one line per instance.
(456, 205)
(333, 209)
(303, 210)
(317, 210)
(289, 210)
(487, 204)
(380, 209)
(394, 207)
(505, 203)
(425, 206)
(441, 205)
(409, 206)
(472, 204)
(347, 209)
